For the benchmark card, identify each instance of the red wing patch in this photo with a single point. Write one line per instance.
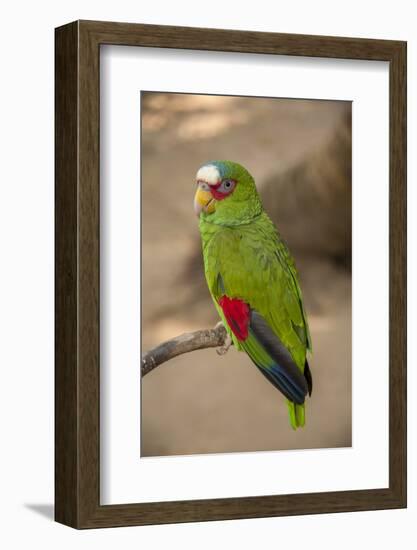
(237, 316)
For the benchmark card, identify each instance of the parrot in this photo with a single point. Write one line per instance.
(253, 281)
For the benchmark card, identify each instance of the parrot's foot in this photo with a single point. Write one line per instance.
(225, 348)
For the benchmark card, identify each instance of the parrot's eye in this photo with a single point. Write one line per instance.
(226, 186)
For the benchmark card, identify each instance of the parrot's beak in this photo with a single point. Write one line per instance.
(204, 201)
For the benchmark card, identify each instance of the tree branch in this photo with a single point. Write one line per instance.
(190, 341)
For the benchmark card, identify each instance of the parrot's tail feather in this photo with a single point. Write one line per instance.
(291, 414)
(300, 415)
(296, 415)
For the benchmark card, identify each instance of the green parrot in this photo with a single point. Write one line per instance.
(253, 281)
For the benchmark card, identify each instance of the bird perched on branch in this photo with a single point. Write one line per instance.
(253, 281)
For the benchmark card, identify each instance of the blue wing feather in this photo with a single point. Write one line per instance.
(274, 360)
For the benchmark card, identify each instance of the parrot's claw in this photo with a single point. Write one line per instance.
(225, 348)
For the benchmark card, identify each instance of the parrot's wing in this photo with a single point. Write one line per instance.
(265, 349)
(276, 363)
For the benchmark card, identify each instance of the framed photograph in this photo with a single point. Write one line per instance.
(230, 274)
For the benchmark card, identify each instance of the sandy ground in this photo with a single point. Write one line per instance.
(202, 402)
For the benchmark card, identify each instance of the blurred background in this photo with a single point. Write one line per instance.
(299, 152)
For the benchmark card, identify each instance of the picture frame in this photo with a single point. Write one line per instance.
(77, 291)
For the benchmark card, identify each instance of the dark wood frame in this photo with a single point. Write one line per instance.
(77, 405)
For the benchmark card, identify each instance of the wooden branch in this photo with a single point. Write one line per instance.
(190, 341)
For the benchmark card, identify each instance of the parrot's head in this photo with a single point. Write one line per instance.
(226, 193)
